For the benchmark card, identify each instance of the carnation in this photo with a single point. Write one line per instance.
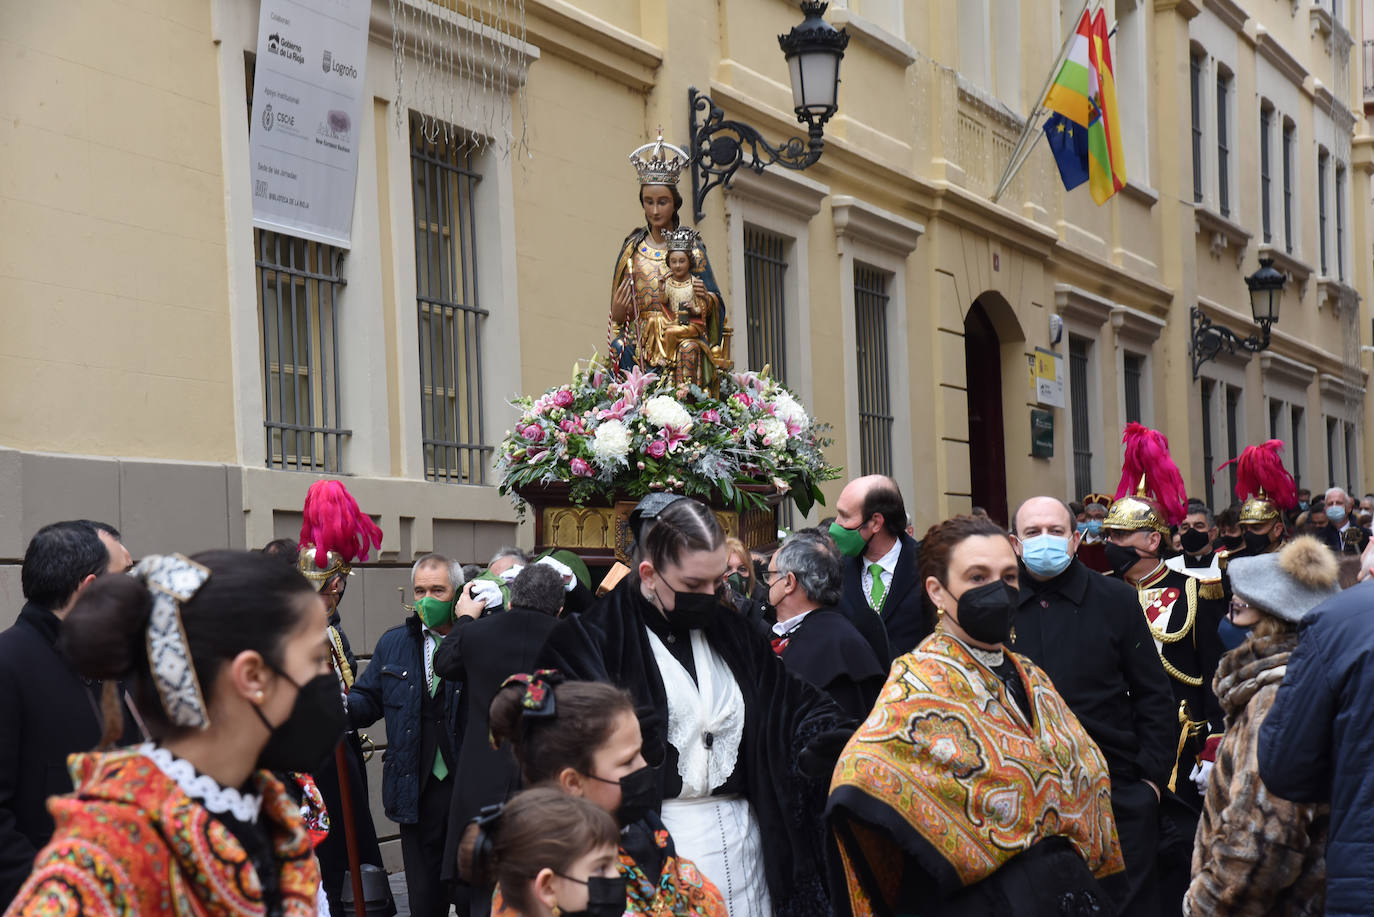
(786, 409)
(772, 430)
(611, 443)
(664, 411)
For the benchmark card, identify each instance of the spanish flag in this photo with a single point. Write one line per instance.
(1106, 159)
(1071, 94)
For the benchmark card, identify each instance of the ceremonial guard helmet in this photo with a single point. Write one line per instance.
(1151, 495)
(335, 533)
(1267, 488)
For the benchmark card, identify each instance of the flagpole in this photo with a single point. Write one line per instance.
(1017, 159)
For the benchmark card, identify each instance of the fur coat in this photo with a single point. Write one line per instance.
(1255, 853)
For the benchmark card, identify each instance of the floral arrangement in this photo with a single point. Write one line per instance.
(633, 435)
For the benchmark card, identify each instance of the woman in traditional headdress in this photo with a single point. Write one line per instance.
(638, 284)
(971, 789)
(227, 658)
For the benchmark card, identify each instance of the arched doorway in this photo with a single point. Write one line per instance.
(987, 451)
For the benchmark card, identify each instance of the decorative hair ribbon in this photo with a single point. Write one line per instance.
(173, 579)
(538, 702)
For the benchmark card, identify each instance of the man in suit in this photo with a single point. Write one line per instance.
(882, 569)
(1341, 534)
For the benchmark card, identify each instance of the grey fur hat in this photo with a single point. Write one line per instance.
(1289, 583)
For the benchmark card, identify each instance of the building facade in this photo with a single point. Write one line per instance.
(169, 368)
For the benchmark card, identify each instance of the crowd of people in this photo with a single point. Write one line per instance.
(1120, 704)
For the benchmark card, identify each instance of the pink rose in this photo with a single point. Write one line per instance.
(534, 433)
(710, 415)
(562, 398)
(657, 449)
(744, 399)
(580, 468)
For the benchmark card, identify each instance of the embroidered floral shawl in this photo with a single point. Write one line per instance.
(130, 842)
(947, 772)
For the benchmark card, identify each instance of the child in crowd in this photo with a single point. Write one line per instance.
(583, 739)
(548, 854)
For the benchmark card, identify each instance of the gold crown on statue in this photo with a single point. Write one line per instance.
(680, 240)
(659, 163)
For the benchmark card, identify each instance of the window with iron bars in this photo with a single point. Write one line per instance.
(875, 399)
(1233, 440)
(765, 301)
(1082, 424)
(1288, 129)
(298, 288)
(1223, 144)
(450, 318)
(1340, 223)
(1296, 426)
(1195, 87)
(1132, 368)
(298, 284)
(1266, 123)
(1208, 389)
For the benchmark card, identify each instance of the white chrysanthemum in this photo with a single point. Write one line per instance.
(786, 409)
(663, 411)
(772, 431)
(611, 443)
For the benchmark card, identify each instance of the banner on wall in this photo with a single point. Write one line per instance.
(1049, 377)
(307, 111)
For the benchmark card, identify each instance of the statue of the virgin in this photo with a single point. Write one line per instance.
(644, 321)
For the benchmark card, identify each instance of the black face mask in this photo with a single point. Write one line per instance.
(1255, 543)
(1231, 542)
(1193, 541)
(1121, 557)
(306, 737)
(691, 610)
(605, 897)
(638, 794)
(988, 612)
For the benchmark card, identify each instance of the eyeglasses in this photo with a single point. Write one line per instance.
(772, 576)
(1237, 606)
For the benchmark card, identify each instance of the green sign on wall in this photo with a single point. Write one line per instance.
(1042, 433)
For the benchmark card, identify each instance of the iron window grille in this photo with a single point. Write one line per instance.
(765, 303)
(1351, 484)
(298, 288)
(1288, 188)
(1195, 86)
(1331, 448)
(1208, 456)
(1296, 431)
(1323, 162)
(1223, 148)
(1340, 223)
(1232, 430)
(875, 401)
(1133, 367)
(1266, 121)
(1082, 434)
(447, 310)
(1275, 415)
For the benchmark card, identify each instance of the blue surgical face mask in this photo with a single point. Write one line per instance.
(1302, 506)
(1336, 514)
(1091, 527)
(1046, 555)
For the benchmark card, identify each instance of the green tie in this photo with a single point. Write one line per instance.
(440, 769)
(876, 592)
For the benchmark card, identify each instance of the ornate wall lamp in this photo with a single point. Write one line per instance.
(813, 50)
(1210, 340)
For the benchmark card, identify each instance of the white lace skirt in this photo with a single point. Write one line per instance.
(721, 836)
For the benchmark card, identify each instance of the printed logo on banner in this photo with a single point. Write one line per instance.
(285, 47)
(328, 59)
(336, 126)
(267, 118)
(342, 69)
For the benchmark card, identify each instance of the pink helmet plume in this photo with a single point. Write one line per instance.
(333, 522)
(1147, 456)
(1260, 469)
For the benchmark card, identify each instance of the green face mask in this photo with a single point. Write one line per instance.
(849, 541)
(738, 583)
(434, 612)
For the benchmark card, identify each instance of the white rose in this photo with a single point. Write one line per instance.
(786, 409)
(772, 431)
(611, 443)
(663, 411)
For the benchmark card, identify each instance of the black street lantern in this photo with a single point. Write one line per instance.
(813, 50)
(1210, 340)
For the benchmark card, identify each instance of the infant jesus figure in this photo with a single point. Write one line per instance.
(686, 341)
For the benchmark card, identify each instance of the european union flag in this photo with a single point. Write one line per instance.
(1069, 143)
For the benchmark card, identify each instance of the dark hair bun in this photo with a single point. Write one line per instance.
(105, 633)
(505, 714)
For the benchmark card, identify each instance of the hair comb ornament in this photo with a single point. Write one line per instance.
(538, 702)
(173, 579)
(488, 820)
(659, 163)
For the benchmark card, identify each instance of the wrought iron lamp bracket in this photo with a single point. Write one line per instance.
(1210, 340)
(719, 146)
